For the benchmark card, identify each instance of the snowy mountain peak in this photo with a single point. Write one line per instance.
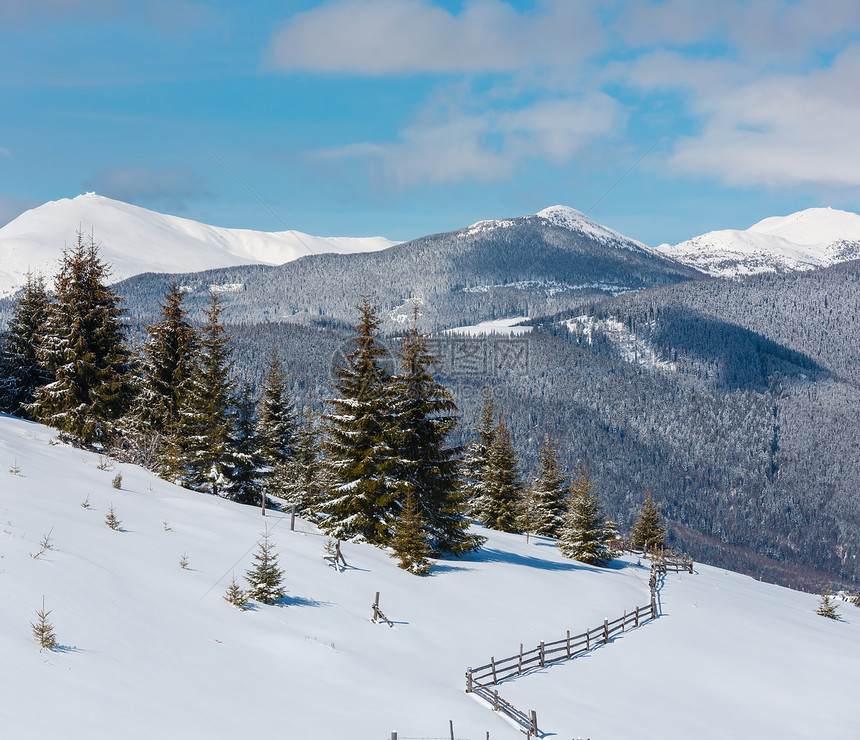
(135, 240)
(815, 237)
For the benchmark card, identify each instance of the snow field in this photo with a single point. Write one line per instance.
(151, 650)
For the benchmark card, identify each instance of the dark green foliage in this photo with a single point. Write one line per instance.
(475, 465)
(300, 479)
(276, 427)
(424, 415)
(362, 498)
(235, 595)
(410, 542)
(82, 350)
(585, 533)
(43, 630)
(827, 607)
(265, 578)
(164, 372)
(20, 371)
(206, 422)
(648, 531)
(244, 462)
(499, 506)
(549, 493)
(111, 520)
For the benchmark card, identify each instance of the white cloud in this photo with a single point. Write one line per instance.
(406, 36)
(453, 144)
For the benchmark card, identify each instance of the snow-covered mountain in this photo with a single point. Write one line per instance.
(816, 237)
(135, 240)
(149, 649)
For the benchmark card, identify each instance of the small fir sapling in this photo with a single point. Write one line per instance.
(167, 527)
(410, 542)
(826, 607)
(856, 599)
(86, 503)
(43, 630)
(111, 520)
(265, 578)
(46, 544)
(104, 463)
(117, 481)
(236, 596)
(183, 561)
(15, 470)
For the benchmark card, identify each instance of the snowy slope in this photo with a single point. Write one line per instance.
(151, 650)
(134, 240)
(816, 237)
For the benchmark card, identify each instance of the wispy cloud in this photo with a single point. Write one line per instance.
(170, 188)
(375, 37)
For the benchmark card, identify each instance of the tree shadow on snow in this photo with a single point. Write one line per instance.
(492, 555)
(300, 601)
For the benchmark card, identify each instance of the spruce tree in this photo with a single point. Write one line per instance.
(82, 350)
(585, 532)
(205, 418)
(648, 531)
(549, 491)
(410, 542)
(475, 462)
(265, 578)
(235, 595)
(243, 461)
(826, 607)
(43, 630)
(361, 497)
(21, 373)
(164, 372)
(299, 480)
(499, 506)
(276, 427)
(424, 415)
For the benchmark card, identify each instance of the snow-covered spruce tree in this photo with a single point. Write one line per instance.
(361, 497)
(164, 372)
(424, 415)
(827, 607)
(410, 541)
(527, 518)
(235, 596)
(299, 480)
(265, 578)
(276, 426)
(649, 532)
(205, 421)
(82, 350)
(585, 532)
(499, 506)
(549, 491)
(475, 463)
(21, 373)
(243, 460)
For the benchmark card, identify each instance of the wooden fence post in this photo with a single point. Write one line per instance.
(653, 607)
(636, 618)
(605, 630)
(520, 662)
(568, 644)
(493, 667)
(534, 727)
(293, 519)
(394, 735)
(587, 639)
(496, 701)
(376, 608)
(468, 680)
(451, 727)
(541, 653)
(624, 620)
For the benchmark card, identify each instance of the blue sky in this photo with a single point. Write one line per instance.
(408, 117)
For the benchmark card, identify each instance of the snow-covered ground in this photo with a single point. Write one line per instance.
(503, 327)
(151, 650)
(816, 237)
(632, 348)
(135, 240)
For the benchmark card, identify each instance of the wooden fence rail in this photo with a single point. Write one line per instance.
(526, 722)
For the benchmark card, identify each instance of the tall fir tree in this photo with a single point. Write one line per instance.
(361, 497)
(205, 417)
(424, 415)
(244, 462)
(475, 464)
(21, 373)
(585, 533)
(649, 532)
(83, 351)
(499, 506)
(165, 366)
(276, 430)
(299, 479)
(549, 492)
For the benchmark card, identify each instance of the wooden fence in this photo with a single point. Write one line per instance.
(480, 679)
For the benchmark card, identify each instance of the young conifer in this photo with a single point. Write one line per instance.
(243, 460)
(300, 479)
(475, 465)
(235, 595)
(585, 533)
(550, 492)
(649, 532)
(43, 630)
(499, 506)
(111, 520)
(410, 542)
(276, 430)
(827, 606)
(265, 578)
